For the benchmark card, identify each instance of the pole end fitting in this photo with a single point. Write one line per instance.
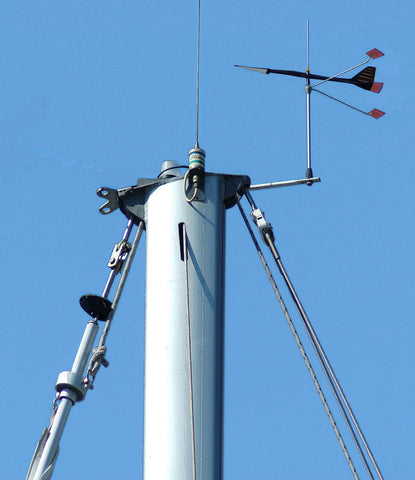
(73, 382)
(264, 227)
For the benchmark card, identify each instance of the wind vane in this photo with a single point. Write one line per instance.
(364, 79)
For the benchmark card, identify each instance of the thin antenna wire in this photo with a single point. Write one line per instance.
(197, 76)
(309, 171)
(308, 46)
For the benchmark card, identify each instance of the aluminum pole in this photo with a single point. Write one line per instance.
(68, 398)
(309, 171)
(70, 385)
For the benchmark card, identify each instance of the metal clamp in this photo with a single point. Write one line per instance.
(73, 382)
(118, 255)
(111, 197)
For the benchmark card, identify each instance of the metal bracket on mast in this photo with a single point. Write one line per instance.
(286, 183)
(131, 200)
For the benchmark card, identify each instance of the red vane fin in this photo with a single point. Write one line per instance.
(374, 53)
(376, 87)
(375, 113)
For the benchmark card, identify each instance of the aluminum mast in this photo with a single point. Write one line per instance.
(183, 392)
(183, 399)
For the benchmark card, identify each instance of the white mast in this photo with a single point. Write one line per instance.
(183, 404)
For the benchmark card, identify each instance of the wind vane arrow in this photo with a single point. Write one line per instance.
(364, 79)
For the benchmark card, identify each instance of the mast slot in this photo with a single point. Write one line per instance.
(182, 240)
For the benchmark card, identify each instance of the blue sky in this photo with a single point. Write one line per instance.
(100, 93)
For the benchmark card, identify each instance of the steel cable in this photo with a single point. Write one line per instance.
(300, 346)
(189, 345)
(328, 370)
(333, 382)
(98, 356)
(121, 283)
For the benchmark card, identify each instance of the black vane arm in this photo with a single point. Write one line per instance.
(364, 79)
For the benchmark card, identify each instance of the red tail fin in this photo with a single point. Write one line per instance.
(366, 79)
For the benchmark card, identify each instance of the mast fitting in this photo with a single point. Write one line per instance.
(194, 178)
(264, 227)
(197, 158)
(74, 383)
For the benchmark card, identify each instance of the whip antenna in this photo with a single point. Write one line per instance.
(197, 75)
(308, 45)
(309, 171)
(193, 180)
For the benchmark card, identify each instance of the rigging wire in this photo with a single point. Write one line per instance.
(122, 281)
(114, 272)
(70, 391)
(332, 379)
(326, 370)
(98, 355)
(300, 345)
(189, 343)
